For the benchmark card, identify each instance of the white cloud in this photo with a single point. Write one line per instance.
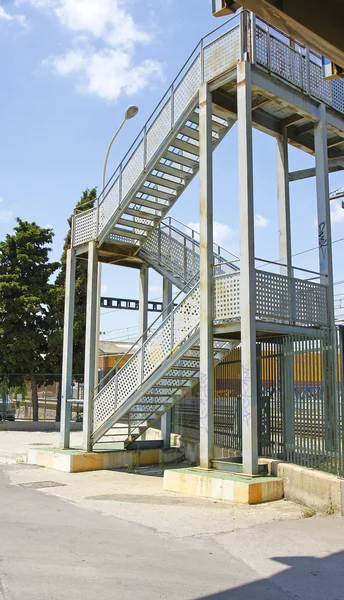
(102, 56)
(260, 221)
(5, 16)
(15, 18)
(221, 231)
(337, 212)
(104, 288)
(107, 73)
(6, 216)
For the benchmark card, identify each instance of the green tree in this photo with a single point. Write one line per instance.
(25, 297)
(57, 314)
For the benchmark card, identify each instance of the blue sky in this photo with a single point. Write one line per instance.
(69, 68)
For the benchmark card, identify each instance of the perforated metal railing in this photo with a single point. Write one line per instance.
(300, 66)
(176, 248)
(278, 298)
(281, 55)
(209, 59)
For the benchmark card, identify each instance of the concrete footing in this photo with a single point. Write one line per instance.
(220, 485)
(75, 461)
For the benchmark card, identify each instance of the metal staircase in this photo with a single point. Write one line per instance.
(173, 251)
(166, 365)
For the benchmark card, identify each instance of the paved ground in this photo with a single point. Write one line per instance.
(117, 535)
(13, 443)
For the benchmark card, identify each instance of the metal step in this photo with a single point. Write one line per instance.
(180, 172)
(150, 204)
(168, 183)
(156, 193)
(135, 224)
(140, 213)
(181, 159)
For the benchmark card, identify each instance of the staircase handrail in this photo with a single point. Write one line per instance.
(199, 46)
(188, 287)
(194, 240)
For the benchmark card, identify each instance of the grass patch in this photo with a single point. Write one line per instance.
(308, 513)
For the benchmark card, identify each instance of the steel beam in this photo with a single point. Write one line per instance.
(326, 270)
(206, 279)
(334, 165)
(90, 343)
(167, 307)
(143, 303)
(284, 93)
(283, 197)
(67, 356)
(247, 272)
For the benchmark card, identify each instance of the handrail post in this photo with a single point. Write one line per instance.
(253, 38)
(268, 49)
(308, 71)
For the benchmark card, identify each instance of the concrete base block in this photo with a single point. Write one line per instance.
(219, 485)
(309, 487)
(75, 461)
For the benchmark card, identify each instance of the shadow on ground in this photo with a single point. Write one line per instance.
(307, 578)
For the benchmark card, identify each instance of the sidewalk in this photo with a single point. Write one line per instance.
(14, 445)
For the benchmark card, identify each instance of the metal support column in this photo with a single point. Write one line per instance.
(206, 279)
(285, 257)
(326, 269)
(284, 233)
(143, 320)
(90, 343)
(67, 357)
(99, 293)
(167, 306)
(143, 302)
(247, 272)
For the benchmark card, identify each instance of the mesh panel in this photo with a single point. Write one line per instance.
(311, 303)
(227, 297)
(261, 46)
(85, 227)
(221, 54)
(285, 61)
(186, 316)
(318, 86)
(187, 88)
(132, 169)
(159, 130)
(157, 348)
(273, 296)
(109, 205)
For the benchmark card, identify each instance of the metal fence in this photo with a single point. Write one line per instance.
(300, 402)
(16, 397)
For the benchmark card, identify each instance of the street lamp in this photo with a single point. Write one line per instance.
(131, 112)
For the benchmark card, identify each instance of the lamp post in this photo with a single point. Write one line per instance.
(131, 112)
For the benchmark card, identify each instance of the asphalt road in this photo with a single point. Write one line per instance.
(54, 549)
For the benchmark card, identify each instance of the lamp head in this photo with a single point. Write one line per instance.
(131, 111)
